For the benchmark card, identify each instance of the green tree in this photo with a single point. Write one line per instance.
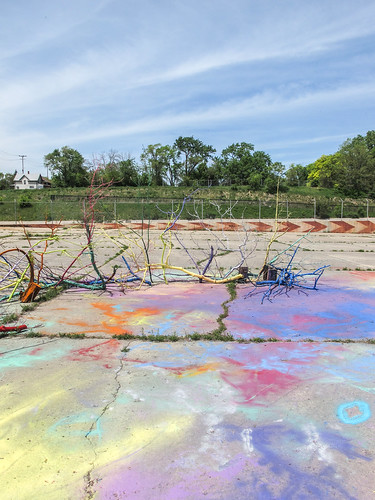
(370, 141)
(161, 164)
(326, 171)
(172, 167)
(296, 175)
(357, 157)
(236, 163)
(119, 169)
(6, 180)
(240, 164)
(129, 174)
(153, 164)
(194, 154)
(67, 167)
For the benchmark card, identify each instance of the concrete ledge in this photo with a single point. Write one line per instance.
(356, 226)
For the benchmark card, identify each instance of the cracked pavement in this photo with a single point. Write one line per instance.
(105, 418)
(84, 419)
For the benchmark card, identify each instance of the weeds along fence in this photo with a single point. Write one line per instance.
(110, 209)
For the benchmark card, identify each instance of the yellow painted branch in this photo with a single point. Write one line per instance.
(195, 275)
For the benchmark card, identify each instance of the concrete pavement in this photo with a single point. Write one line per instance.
(111, 419)
(107, 418)
(342, 308)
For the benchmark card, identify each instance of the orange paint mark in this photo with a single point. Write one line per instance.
(103, 327)
(116, 325)
(192, 372)
(108, 311)
(119, 320)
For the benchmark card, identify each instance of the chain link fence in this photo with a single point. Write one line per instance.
(111, 209)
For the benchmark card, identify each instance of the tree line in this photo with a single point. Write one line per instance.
(185, 163)
(188, 162)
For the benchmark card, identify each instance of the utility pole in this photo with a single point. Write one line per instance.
(22, 158)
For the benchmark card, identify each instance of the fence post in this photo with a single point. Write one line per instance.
(51, 214)
(15, 210)
(287, 210)
(202, 209)
(314, 208)
(115, 210)
(260, 209)
(342, 208)
(367, 207)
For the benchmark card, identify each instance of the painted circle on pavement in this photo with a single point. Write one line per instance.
(363, 413)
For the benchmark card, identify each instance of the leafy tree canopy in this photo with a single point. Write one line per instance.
(193, 152)
(121, 170)
(161, 165)
(325, 171)
(67, 167)
(357, 159)
(296, 175)
(6, 180)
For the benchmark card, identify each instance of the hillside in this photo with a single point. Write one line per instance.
(130, 203)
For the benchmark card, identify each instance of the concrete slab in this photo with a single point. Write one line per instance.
(106, 418)
(342, 308)
(83, 419)
(176, 308)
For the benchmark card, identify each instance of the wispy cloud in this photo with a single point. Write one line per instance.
(92, 75)
(265, 103)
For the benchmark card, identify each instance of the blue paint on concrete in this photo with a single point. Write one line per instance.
(361, 406)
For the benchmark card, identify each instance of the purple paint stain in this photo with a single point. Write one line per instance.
(331, 312)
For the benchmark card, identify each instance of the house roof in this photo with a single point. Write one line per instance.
(29, 177)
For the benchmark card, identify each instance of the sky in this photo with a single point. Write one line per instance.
(294, 78)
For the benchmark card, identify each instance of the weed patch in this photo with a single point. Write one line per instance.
(29, 307)
(72, 335)
(33, 334)
(9, 318)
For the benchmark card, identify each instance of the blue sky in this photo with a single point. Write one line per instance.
(294, 78)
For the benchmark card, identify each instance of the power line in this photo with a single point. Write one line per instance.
(6, 153)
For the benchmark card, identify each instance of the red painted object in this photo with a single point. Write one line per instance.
(12, 328)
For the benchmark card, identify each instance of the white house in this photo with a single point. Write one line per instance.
(30, 181)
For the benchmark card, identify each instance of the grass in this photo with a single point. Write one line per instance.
(8, 334)
(229, 338)
(49, 294)
(341, 341)
(33, 334)
(150, 338)
(221, 329)
(212, 336)
(72, 335)
(9, 318)
(134, 203)
(29, 307)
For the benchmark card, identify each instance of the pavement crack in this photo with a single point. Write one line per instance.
(221, 330)
(28, 346)
(89, 480)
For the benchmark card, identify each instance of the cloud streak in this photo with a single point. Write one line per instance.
(124, 73)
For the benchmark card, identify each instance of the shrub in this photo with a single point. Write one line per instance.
(25, 200)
